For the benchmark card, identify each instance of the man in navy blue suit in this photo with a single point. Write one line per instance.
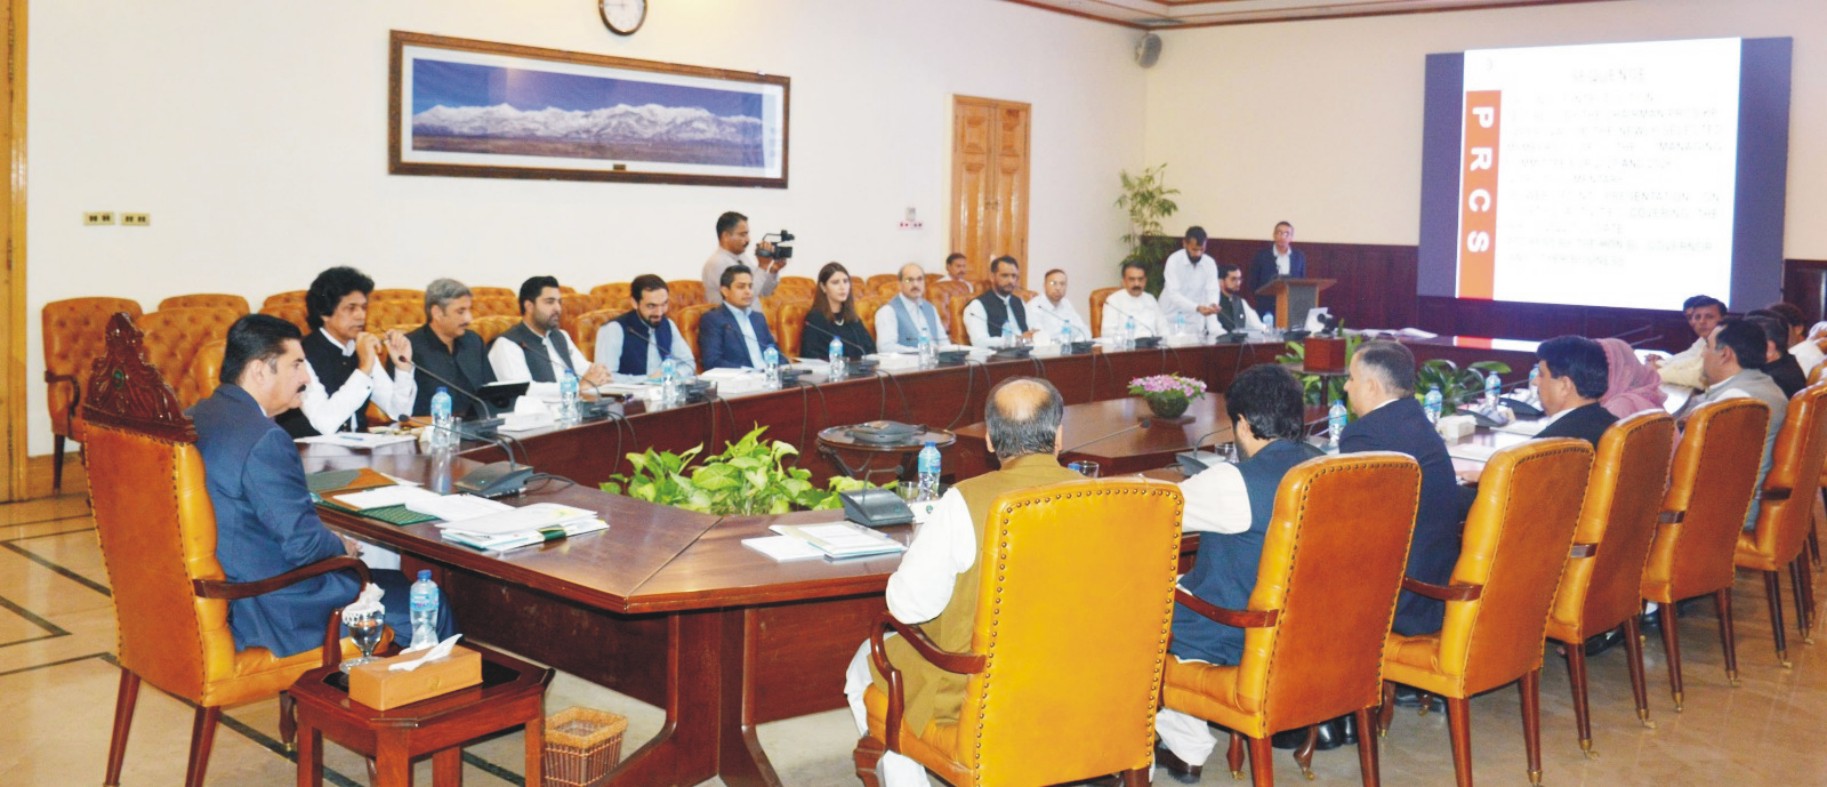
(1281, 261)
(1381, 391)
(734, 335)
(265, 523)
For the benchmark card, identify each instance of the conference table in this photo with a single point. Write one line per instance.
(1121, 435)
(668, 606)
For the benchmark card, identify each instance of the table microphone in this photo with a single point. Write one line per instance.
(1153, 334)
(861, 366)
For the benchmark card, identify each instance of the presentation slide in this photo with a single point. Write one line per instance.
(1601, 175)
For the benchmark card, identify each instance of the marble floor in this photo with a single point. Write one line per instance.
(58, 680)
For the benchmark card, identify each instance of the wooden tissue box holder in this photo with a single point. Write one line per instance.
(1324, 354)
(377, 687)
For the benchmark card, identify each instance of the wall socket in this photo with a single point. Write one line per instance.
(136, 219)
(96, 218)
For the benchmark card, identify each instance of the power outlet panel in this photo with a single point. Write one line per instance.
(97, 218)
(136, 219)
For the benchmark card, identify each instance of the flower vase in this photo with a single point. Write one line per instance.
(1167, 405)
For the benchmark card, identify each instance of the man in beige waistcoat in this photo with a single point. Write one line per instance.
(936, 586)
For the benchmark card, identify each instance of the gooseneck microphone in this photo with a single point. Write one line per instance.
(487, 412)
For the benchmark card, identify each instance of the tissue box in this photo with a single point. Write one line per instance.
(380, 688)
(1325, 354)
(1455, 427)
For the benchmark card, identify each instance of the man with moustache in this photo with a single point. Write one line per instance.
(908, 317)
(1052, 311)
(987, 313)
(637, 343)
(346, 364)
(1133, 302)
(445, 346)
(732, 248)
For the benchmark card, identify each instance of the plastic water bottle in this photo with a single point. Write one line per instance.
(442, 436)
(1008, 333)
(569, 407)
(1129, 333)
(1433, 404)
(1065, 336)
(1180, 324)
(929, 353)
(669, 382)
(929, 472)
(424, 601)
(770, 369)
(1335, 423)
(1491, 387)
(835, 354)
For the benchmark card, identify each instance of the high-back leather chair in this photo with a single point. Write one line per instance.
(616, 295)
(287, 298)
(1786, 514)
(173, 337)
(294, 313)
(792, 326)
(688, 318)
(1600, 589)
(588, 324)
(492, 326)
(1325, 597)
(494, 292)
(1098, 296)
(685, 292)
(800, 288)
(415, 297)
(1035, 717)
(874, 284)
(866, 309)
(572, 306)
(956, 308)
(494, 306)
(206, 300)
(73, 339)
(394, 314)
(158, 542)
(205, 372)
(1710, 487)
(1516, 541)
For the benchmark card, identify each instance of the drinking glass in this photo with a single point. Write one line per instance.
(1086, 468)
(1227, 452)
(365, 628)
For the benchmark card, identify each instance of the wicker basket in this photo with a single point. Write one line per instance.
(582, 746)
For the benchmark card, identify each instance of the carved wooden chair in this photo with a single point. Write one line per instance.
(1033, 714)
(1324, 600)
(73, 339)
(1784, 518)
(1516, 542)
(1698, 529)
(1600, 588)
(158, 543)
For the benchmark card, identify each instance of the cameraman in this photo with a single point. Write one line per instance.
(732, 241)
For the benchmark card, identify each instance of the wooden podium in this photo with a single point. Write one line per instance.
(1294, 296)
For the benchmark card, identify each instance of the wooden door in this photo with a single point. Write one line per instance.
(990, 182)
(13, 380)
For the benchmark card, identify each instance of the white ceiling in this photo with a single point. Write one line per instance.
(1170, 14)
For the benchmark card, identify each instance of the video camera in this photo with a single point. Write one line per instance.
(781, 249)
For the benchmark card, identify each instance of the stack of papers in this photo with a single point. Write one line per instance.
(384, 497)
(834, 540)
(518, 527)
(358, 439)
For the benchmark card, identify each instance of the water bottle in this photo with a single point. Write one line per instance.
(569, 407)
(1491, 386)
(1129, 333)
(770, 369)
(1335, 423)
(669, 382)
(835, 353)
(929, 472)
(424, 606)
(929, 353)
(1065, 337)
(1008, 333)
(1180, 324)
(1433, 404)
(442, 436)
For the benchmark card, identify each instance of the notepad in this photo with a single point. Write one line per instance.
(842, 539)
(522, 520)
(783, 548)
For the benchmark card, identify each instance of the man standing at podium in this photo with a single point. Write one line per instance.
(1281, 261)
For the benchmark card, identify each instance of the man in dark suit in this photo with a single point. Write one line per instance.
(265, 524)
(1381, 392)
(734, 335)
(1280, 261)
(446, 347)
(1571, 376)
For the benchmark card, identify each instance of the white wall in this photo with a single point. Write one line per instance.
(1320, 123)
(255, 135)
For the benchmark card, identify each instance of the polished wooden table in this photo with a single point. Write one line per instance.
(512, 694)
(835, 441)
(1119, 434)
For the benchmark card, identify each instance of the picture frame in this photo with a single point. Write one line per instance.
(465, 108)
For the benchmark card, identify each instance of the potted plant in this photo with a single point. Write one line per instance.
(750, 477)
(1148, 201)
(1167, 395)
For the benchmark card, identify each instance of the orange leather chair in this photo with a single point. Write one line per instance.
(287, 298)
(173, 337)
(866, 309)
(494, 306)
(394, 314)
(1036, 718)
(158, 542)
(294, 313)
(492, 326)
(798, 287)
(616, 295)
(689, 318)
(1324, 600)
(792, 326)
(1601, 587)
(1516, 541)
(1098, 296)
(415, 297)
(588, 324)
(494, 292)
(206, 300)
(685, 292)
(874, 284)
(573, 306)
(1700, 522)
(956, 312)
(72, 341)
(887, 289)
(205, 372)
(1784, 519)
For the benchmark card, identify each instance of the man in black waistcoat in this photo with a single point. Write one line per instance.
(446, 347)
(638, 342)
(347, 365)
(538, 350)
(985, 316)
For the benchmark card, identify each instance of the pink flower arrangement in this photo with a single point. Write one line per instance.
(1167, 384)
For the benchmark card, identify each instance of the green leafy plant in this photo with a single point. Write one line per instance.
(751, 476)
(1148, 201)
(1457, 386)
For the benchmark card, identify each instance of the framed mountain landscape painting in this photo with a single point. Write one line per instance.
(477, 109)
